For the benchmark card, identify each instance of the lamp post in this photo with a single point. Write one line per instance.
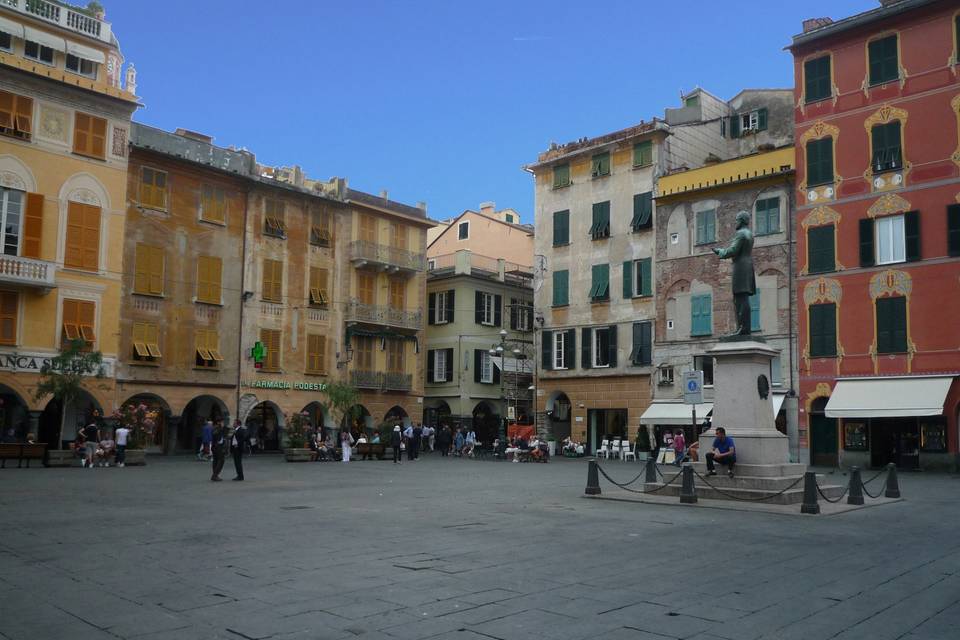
(499, 350)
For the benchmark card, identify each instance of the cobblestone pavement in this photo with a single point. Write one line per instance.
(448, 548)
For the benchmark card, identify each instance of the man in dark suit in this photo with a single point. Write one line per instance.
(219, 445)
(238, 442)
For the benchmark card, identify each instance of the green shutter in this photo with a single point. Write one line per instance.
(601, 220)
(643, 153)
(734, 126)
(911, 234)
(546, 350)
(628, 279)
(646, 284)
(820, 249)
(561, 228)
(820, 161)
(642, 211)
(560, 288)
(700, 315)
(823, 330)
(867, 255)
(600, 165)
(755, 311)
(817, 79)
(762, 119)
(561, 175)
(891, 325)
(883, 56)
(600, 289)
(953, 230)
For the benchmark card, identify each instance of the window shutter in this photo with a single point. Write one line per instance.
(546, 350)
(514, 314)
(953, 230)
(449, 365)
(898, 324)
(646, 277)
(451, 299)
(432, 308)
(883, 326)
(911, 227)
(560, 293)
(585, 344)
(478, 308)
(267, 284)
(867, 255)
(8, 317)
(570, 349)
(613, 345)
(874, 51)
(735, 126)
(33, 225)
(646, 343)
(496, 373)
(141, 269)
(820, 249)
(431, 354)
(497, 310)
(561, 228)
(627, 279)
(762, 120)
(477, 365)
(156, 270)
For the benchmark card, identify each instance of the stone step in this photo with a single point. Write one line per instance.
(781, 470)
(723, 481)
(791, 496)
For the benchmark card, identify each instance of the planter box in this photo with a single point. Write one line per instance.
(135, 458)
(297, 455)
(62, 458)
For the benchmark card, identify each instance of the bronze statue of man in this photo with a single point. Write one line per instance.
(744, 281)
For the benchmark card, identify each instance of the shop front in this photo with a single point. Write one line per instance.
(904, 420)
(670, 416)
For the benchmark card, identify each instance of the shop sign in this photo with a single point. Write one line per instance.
(33, 362)
(296, 385)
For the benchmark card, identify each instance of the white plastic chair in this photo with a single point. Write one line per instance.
(614, 449)
(626, 452)
(604, 450)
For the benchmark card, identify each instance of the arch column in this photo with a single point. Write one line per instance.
(33, 420)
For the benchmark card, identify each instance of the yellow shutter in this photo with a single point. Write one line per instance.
(214, 274)
(82, 247)
(156, 270)
(87, 313)
(203, 279)
(33, 226)
(271, 340)
(9, 301)
(81, 133)
(141, 269)
(73, 254)
(273, 280)
(71, 319)
(152, 335)
(7, 110)
(98, 137)
(201, 344)
(213, 345)
(23, 116)
(139, 340)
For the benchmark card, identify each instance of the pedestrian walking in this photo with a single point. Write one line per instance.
(417, 437)
(219, 450)
(396, 438)
(346, 444)
(122, 435)
(91, 436)
(206, 438)
(238, 442)
(443, 440)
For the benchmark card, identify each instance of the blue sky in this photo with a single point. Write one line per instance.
(441, 101)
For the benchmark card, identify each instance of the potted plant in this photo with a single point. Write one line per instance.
(342, 400)
(142, 422)
(296, 433)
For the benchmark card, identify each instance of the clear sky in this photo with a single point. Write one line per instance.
(442, 100)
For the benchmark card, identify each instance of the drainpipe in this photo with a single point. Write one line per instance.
(243, 301)
(790, 289)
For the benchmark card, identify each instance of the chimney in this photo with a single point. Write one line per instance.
(812, 24)
(193, 135)
(383, 194)
(488, 208)
(422, 206)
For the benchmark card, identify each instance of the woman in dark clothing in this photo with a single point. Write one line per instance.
(395, 439)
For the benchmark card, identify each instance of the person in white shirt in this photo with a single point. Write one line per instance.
(122, 435)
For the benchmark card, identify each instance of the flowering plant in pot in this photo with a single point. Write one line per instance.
(142, 422)
(296, 433)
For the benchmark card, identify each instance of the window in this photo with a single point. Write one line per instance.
(691, 101)
(274, 218)
(883, 60)
(441, 365)
(561, 292)
(316, 354)
(395, 355)
(641, 354)
(776, 372)
(363, 354)
(705, 364)
(701, 315)
(318, 286)
(561, 228)
(561, 176)
(398, 235)
(81, 66)
(821, 248)
(209, 271)
(431, 264)
(11, 207)
(485, 308)
(642, 211)
(706, 226)
(560, 346)
(148, 270)
(440, 306)
(604, 341)
(213, 204)
(953, 230)
(6, 41)
(892, 325)
(601, 220)
(89, 136)
(755, 311)
(397, 290)
(665, 376)
(753, 120)
(320, 235)
(368, 229)
(153, 188)
(208, 349)
(486, 367)
(38, 52)
(9, 316)
(463, 230)
(600, 165)
(272, 280)
(146, 342)
(82, 250)
(521, 315)
(767, 217)
(78, 320)
(508, 217)
(365, 287)
(823, 330)
(890, 240)
(820, 162)
(933, 434)
(16, 115)
(643, 153)
(637, 278)
(816, 75)
(270, 338)
(887, 152)
(600, 287)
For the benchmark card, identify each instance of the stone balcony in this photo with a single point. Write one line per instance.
(357, 311)
(364, 253)
(382, 380)
(63, 15)
(27, 272)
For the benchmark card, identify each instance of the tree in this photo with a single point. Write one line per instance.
(343, 398)
(62, 377)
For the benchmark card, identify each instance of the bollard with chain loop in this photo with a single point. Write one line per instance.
(593, 480)
(688, 491)
(810, 504)
(651, 470)
(856, 487)
(893, 485)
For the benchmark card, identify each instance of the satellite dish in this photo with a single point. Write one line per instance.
(539, 268)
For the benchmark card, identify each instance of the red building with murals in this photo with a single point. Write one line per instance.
(878, 235)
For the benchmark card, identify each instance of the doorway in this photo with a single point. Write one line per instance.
(603, 424)
(823, 436)
(895, 440)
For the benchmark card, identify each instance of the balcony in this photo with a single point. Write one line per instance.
(63, 15)
(357, 311)
(383, 381)
(465, 262)
(387, 258)
(27, 272)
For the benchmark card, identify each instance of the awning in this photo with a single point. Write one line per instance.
(13, 28)
(44, 38)
(778, 399)
(674, 413)
(87, 53)
(514, 365)
(889, 397)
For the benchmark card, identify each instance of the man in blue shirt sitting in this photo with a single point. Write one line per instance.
(723, 453)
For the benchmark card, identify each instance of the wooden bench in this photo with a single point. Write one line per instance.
(366, 449)
(21, 451)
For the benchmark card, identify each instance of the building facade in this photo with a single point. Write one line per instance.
(696, 212)
(483, 231)
(878, 235)
(64, 127)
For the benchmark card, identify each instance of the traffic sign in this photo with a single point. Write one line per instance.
(693, 387)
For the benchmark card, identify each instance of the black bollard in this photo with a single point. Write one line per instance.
(855, 493)
(893, 484)
(593, 480)
(810, 504)
(688, 492)
(651, 470)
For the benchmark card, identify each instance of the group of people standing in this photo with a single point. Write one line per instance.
(97, 445)
(217, 440)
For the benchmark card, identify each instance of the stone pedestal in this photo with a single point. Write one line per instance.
(741, 371)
